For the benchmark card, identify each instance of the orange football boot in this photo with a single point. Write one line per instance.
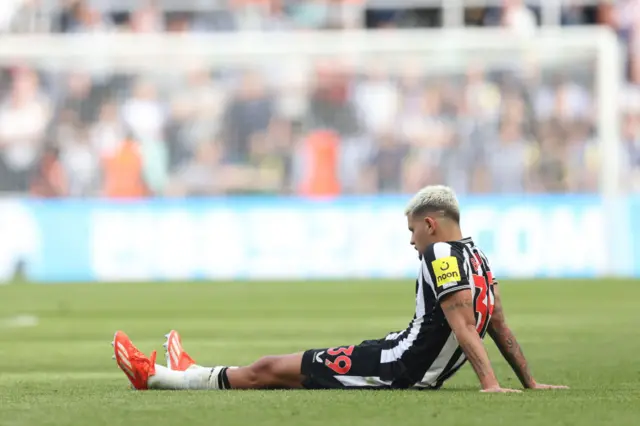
(137, 367)
(177, 358)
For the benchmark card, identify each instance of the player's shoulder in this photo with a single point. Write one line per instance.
(445, 263)
(442, 250)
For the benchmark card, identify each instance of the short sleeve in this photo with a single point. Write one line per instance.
(448, 269)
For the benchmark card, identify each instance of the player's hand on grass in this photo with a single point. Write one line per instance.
(500, 390)
(543, 386)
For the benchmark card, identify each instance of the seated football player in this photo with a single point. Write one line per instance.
(457, 302)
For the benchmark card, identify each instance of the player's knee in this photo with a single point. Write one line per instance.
(263, 372)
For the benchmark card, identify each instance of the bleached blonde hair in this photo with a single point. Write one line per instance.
(434, 198)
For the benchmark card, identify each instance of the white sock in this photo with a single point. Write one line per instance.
(199, 378)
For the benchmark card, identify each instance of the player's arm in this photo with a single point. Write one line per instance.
(450, 275)
(509, 347)
(458, 309)
(507, 343)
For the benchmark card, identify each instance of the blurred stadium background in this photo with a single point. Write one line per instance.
(531, 111)
(215, 140)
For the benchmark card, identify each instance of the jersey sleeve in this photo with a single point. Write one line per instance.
(448, 269)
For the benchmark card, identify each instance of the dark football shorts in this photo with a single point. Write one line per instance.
(353, 367)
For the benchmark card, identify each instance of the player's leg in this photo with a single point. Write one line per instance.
(349, 367)
(344, 367)
(268, 372)
(273, 372)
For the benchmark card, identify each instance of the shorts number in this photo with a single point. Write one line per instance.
(343, 350)
(342, 364)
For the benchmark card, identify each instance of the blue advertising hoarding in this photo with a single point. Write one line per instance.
(633, 235)
(283, 238)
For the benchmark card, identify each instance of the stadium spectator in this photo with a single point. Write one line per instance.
(79, 98)
(80, 162)
(79, 17)
(147, 19)
(481, 97)
(509, 160)
(272, 158)
(549, 167)
(24, 115)
(583, 158)
(624, 17)
(631, 149)
(248, 114)
(518, 17)
(108, 132)
(142, 112)
(123, 171)
(330, 104)
(49, 179)
(198, 176)
(320, 164)
(377, 99)
(386, 165)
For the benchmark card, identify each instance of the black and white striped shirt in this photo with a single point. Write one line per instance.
(427, 353)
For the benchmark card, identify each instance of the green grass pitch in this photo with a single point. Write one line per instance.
(59, 371)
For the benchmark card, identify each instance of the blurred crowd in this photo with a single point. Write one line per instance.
(326, 130)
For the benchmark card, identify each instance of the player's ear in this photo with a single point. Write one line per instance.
(430, 223)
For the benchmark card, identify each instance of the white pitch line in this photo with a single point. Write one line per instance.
(19, 321)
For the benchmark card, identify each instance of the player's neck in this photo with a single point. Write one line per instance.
(453, 233)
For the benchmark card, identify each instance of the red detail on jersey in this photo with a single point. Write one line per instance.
(475, 263)
(483, 310)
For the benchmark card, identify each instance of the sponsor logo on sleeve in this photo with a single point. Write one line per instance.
(446, 271)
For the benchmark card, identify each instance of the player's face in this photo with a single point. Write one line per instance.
(422, 232)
